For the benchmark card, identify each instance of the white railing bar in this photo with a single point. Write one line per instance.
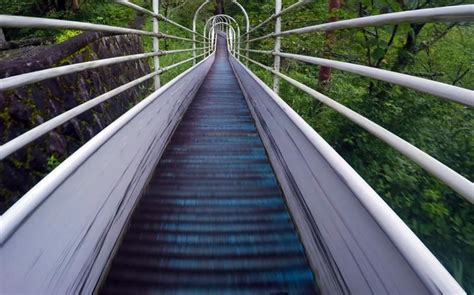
(165, 19)
(410, 246)
(40, 130)
(182, 62)
(162, 35)
(257, 51)
(12, 21)
(15, 215)
(287, 10)
(448, 176)
(151, 13)
(155, 5)
(270, 35)
(168, 52)
(277, 47)
(260, 64)
(450, 92)
(458, 13)
(29, 78)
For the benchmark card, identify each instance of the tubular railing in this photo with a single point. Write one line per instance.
(8, 83)
(461, 13)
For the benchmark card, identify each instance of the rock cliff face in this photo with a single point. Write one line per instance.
(23, 108)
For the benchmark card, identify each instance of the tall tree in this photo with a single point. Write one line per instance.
(219, 7)
(324, 77)
(75, 5)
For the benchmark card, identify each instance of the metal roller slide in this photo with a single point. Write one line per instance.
(213, 218)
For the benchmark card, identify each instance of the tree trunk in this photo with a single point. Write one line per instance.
(219, 7)
(324, 77)
(407, 52)
(75, 5)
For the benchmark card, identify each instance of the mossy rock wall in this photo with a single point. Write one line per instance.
(23, 108)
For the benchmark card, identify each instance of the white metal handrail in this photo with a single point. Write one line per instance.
(14, 21)
(28, 78)
(450, 177)
(222, 18)
(195, 16)
(431, 271)
(22, 140)
(230, 33)
(247, 23)
(447, 91)
(13, 218)
(32, 77)
(461, 13)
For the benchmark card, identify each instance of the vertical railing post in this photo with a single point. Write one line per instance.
(215, 40)
(229, 36)
(276, 61)
(195, 16)
(194, 47)
(211, 40)
(247, 47)
(156, 41)
(238, 46)
(247, 20)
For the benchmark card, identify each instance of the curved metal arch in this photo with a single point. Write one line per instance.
(231, 35)
(247, 29)
(213, 19)
(244, 11)
(230, 38)
(226, 18)
(230, 26)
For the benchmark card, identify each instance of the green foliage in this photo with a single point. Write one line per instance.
(53, 162)
(97, 11)
(66, 35)
(106, 12)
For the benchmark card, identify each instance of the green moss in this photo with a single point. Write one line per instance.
(53, 162)
(87, 50)
(17, 163)
(66, 35)
(5, 116)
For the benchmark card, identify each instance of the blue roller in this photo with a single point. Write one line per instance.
(213, 219)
